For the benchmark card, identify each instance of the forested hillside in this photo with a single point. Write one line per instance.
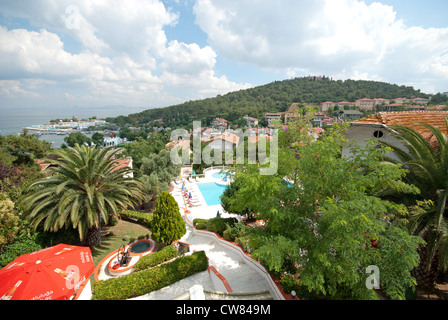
(273, 97)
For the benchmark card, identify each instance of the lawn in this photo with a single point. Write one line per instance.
(113, 238)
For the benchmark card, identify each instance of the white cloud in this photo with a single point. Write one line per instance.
(124, 54)
(328, 37)
(12, 89)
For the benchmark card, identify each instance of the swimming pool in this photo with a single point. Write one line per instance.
(211, 192)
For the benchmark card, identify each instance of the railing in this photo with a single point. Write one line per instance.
(223, 167)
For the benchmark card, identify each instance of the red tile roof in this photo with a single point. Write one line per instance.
(410, 119)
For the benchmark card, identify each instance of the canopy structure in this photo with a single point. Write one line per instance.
(54, 273)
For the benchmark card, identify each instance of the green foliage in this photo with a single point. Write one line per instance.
(219, 224)
(145, 281)
(85, 187)
(153, 259)
(22, 149)
(216, 224)
(157, 172)
(167, 224)
(18, 248)
(237, 230)
(325, 222)
(428, 169)
(75, 138)
(98, 139)
(272, 97)
(9, 221)
(141, 218)
(228, 198)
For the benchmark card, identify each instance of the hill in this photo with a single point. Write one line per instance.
(273, 97)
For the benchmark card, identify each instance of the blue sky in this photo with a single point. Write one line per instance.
(155, 53)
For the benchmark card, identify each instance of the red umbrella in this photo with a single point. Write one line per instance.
(54, 273)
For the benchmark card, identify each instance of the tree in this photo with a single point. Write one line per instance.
(98, 139)
(77, 138)
(167, 224)
(85, 188)
(428, 169)
(22, 149)
(329, 225)
(157, 172)
(9, 221)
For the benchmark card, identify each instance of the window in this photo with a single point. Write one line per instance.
(378, 134)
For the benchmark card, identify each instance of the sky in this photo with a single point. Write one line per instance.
(156, 53)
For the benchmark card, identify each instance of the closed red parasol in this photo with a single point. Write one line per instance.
(54, 273)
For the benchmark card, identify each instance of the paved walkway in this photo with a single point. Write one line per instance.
(241, 277)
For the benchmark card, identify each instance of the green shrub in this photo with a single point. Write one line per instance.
(201, 225)
(237, 230)
(141, 218)
(145, 281)
(153, 259)
(288, 284)
(247, 243)
(219, 225)
(167, 224)
(199, 220)
(228, 235)
(18, 248)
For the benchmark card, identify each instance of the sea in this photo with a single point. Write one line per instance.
(13, 120)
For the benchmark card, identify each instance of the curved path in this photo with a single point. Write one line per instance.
(240, 277)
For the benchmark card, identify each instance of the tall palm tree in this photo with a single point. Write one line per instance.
(86, 186)
(427, 163)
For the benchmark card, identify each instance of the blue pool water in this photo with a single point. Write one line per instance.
(220, 175)
(211, 192)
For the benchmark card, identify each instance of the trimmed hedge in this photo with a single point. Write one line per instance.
(151, 260)
(141, 218)
(143, 282)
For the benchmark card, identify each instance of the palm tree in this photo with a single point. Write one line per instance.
(428, 169)
(86, 186)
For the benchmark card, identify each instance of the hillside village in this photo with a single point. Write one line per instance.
(225, 137)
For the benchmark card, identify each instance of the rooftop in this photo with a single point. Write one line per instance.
(409, 119)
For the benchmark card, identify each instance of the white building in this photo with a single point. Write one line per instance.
(271, 117)
(113, 141)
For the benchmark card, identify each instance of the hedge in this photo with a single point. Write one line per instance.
(143, 282)
(141, 218)
(151, 260)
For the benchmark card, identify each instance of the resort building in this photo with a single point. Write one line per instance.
(423, 101)
(271, 117)
(251, 122)
(113, 141)
(365, 104)
(343, 104)
(219, 124)
(290, 117)
(377, 126)
(324, 106)
(350, 114)
(381, 101)
(224, 142)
